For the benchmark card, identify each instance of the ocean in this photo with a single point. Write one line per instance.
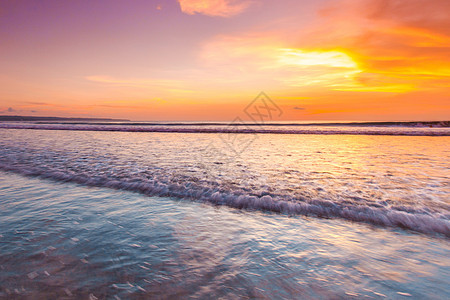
(218, 210)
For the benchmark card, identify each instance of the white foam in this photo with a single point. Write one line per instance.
(368, 130)
(382, 216)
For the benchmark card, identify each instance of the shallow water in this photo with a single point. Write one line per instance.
(96, 214)
(390, 181)
(65, 240)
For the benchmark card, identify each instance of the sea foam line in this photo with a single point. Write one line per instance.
(234, 129)
(385, 217)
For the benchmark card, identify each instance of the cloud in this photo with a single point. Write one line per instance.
(215, 8)
(372, 46)
(264, 58)
(32, 104)
(10, 109)
(136, 82)
(298, 108)
(398, 45)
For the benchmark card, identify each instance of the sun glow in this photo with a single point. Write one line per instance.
(334, 59)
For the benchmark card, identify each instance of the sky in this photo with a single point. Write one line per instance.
(192, 60)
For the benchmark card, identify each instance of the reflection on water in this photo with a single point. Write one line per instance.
(66, 240)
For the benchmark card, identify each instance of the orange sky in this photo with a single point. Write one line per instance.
(206, 60)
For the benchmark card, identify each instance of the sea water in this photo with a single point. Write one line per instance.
(104, 214)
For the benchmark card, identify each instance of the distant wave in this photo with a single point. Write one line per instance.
(435, 124)
(240, 128)
(406, 218)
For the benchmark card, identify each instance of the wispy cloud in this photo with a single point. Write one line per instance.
(264, 57)
(216, 8)
(137, 82)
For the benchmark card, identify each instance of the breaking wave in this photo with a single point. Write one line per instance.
(242, 128)
(418, 220)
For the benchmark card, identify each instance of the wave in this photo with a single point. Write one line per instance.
(405, 218)
(239, 128)
(100, 121)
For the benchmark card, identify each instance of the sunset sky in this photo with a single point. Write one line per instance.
(171, 60)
